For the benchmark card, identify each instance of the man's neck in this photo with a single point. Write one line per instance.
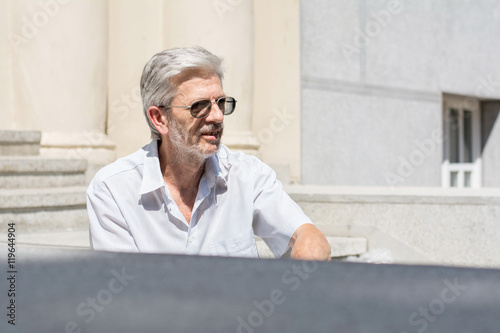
(183, 174)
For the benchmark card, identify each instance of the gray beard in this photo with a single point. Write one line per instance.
(186, 152)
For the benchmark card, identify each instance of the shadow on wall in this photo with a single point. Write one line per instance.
(490, 137)
(489, 117)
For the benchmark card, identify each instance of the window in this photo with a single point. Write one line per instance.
(462, 142)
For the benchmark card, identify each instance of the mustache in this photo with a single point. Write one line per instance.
(210, 128)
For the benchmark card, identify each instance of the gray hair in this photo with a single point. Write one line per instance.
(157, 86)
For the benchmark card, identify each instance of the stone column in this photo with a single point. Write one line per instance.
(10, 120)
(134, 36)
(59, 75)
(276, 120)
(225, 28)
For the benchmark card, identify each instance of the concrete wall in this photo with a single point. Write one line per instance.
(448, 226)
(373, 73)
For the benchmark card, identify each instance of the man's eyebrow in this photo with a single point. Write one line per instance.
(206, 98)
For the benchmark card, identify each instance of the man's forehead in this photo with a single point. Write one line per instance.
(197, 87)
(190, 75)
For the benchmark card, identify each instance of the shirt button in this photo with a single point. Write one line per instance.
(190, 239)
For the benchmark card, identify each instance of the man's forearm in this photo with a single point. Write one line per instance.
(309, 243)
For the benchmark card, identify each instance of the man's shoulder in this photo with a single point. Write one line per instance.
(226, 155)
(234, 161)
(122, 165)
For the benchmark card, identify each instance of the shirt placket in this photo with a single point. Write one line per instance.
(192, 241)
(192, 245)
(172, 208)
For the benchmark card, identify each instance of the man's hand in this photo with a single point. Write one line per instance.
(309, 243)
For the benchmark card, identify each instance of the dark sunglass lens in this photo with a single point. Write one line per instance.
(199, 108)
(229, 105)
(221, 103)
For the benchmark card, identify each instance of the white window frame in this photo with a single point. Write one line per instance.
(461, 104)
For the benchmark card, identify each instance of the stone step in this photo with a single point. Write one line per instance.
(17, 200)
(37, 164)
(36, 172)
(44, 209)
(69, 239)
(21, 181)
(19, 143)
(59, 220)
(341, 247)
(74, 236)
(347, 246)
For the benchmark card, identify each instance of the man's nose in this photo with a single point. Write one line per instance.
(215, 115)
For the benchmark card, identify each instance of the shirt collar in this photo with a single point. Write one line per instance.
(152, 178)
(213, 172)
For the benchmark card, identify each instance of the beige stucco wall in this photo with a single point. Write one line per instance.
(73, 68)
(227, 31)
(9, 118)
(276, 114)
(54, 73)
(54, 65)
(135, 34)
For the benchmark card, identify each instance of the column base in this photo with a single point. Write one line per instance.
(94, 146)
(244, 141)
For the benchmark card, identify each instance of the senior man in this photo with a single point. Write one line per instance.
(185, 192)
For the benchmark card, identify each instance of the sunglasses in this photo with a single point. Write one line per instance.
(201, 108)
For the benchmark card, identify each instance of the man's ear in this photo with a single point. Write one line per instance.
(158, 119)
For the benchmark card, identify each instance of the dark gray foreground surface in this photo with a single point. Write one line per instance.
(75, 291)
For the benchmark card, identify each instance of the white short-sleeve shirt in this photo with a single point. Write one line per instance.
(131, 209)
